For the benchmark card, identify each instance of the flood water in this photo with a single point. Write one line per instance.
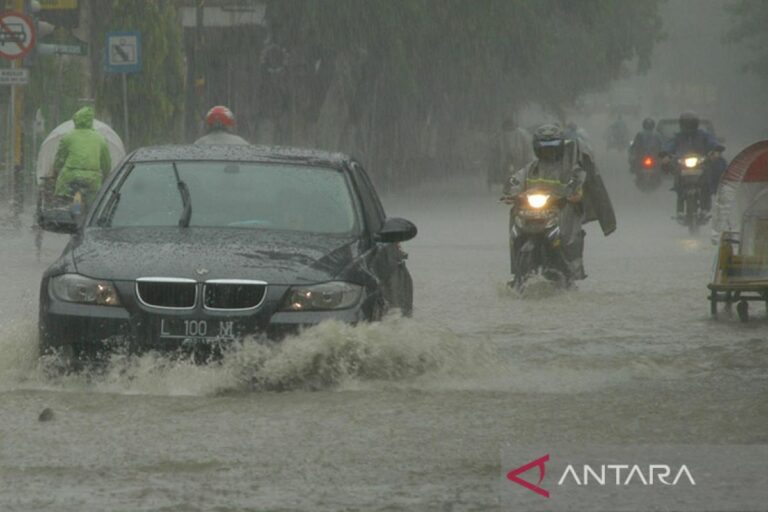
(408, 414)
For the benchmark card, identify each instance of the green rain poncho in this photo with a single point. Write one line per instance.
(82, 156)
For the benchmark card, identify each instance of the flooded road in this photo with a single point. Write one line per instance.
(409, 414)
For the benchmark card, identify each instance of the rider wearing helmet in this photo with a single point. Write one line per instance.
(556, 164)
(219, 123)
(692, 139)
(647, 142)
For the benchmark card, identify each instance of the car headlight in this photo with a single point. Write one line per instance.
(77, 288)
(325, 296)
(537, 200)
(691, 161)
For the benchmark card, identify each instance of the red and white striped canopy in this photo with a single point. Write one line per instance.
(741, 187)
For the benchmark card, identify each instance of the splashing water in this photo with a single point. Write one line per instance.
(329, 355)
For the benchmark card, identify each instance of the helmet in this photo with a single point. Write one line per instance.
(219, 118)
(548, 142)
(648, 123)
(689, 122)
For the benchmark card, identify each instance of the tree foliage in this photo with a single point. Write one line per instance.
(156, 94)
(750, 18)
(451, 65)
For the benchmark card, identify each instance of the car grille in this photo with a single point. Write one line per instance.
(233, 294)
(167, 292)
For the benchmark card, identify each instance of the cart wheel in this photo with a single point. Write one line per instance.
(742, 308)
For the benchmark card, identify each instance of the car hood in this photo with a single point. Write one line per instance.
(210, 253)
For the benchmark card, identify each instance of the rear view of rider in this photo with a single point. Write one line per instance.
(647, 142)
(692, 139)
(82, 159)
(553, 166)
(219, 124)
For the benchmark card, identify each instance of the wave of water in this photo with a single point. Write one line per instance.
(327, 356)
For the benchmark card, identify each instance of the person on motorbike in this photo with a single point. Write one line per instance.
(554, 166)
(219, 123)
(647, 142)
(618, 135)
(82, 160)
(692, 139)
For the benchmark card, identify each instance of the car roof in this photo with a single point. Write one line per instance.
(238, 153)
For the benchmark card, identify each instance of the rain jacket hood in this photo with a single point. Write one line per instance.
(83, 118)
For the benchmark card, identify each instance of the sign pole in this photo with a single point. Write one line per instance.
(125, 111)
(18, 148)
(123, 55)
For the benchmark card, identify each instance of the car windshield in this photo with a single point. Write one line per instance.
(228, 194)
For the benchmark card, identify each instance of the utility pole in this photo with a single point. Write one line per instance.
(17, 145)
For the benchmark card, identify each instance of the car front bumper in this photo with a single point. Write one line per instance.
(95, 329)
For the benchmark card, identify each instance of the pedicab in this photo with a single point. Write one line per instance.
(741, 218)
(50, 209)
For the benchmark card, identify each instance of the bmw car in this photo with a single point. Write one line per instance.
(194, 245)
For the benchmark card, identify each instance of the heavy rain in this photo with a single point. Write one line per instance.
(402, 412)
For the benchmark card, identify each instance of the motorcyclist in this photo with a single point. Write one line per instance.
(219, 123)
(692, 139)
(556, 165)
(511, 151)
(646, 142)
(618, 134)
(82, 159)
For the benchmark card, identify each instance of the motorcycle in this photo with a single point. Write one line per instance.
(692, 186)
(54, 212)
(535, 235)
(648, 176)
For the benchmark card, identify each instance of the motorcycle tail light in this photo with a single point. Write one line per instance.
(648, 162)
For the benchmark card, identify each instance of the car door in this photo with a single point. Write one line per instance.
(385, 260)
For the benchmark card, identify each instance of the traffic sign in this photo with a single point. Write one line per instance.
(123, 52)
(62, 49)
(17, 35)
(14, 76)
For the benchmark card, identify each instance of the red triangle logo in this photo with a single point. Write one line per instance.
(513, 475)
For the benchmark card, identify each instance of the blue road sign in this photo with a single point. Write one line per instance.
(123, 53)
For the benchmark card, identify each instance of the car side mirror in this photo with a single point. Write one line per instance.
(396, 230)
(57, 221)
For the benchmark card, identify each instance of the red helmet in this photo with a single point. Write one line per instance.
(219, 118)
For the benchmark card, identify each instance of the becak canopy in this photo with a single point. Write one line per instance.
(740, 194)
(50, 145)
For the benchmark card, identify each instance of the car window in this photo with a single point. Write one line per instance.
(226, 194)
(374, 212)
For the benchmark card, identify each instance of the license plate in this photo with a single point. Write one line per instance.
(207, 330)
(535, 214)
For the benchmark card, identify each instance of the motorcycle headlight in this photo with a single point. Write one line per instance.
(691, 161)
(77, 288)
(537, 200)
(325, 296)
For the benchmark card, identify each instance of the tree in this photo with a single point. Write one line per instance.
(406, 72)
(750, 18)
(156, 94)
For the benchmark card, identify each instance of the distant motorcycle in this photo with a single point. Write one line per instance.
(535, 235)
(647, 171)
(693, 185)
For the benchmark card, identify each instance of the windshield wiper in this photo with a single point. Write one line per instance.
(186, 200)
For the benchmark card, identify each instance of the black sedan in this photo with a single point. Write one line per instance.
(200, 245)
